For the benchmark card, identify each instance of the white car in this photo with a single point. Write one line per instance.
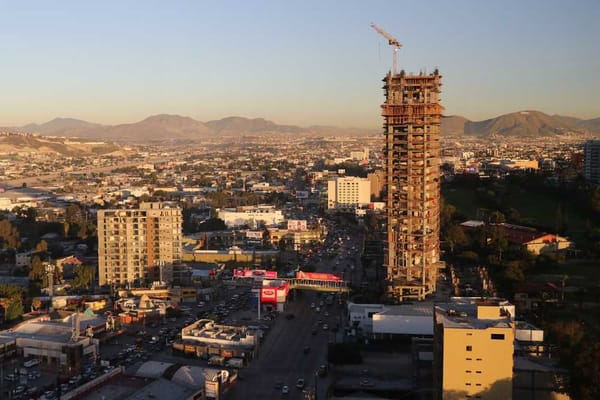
(325, 327)
(285, 389)
(300, 383)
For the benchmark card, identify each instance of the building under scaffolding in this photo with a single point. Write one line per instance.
(411, 113)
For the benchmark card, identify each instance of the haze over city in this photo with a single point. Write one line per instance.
(299, 62)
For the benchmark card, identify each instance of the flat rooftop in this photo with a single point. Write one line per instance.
(463, 315)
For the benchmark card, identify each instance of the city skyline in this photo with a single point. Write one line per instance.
(301, 63)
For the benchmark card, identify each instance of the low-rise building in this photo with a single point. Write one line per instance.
(205, 338)
(473, 349)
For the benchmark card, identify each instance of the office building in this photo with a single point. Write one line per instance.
(473, 349)
(412, 114)
(348, 193)
(138, 245)
(591, 161)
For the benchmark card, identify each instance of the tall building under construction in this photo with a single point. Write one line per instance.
(412, 113)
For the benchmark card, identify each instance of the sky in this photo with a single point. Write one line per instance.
(301, 62)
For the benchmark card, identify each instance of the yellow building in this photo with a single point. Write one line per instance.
(473, 349)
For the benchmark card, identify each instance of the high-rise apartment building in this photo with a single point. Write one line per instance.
(411, 113)
(591, 161)
(473, 349)
(348, 192)
(138, 244)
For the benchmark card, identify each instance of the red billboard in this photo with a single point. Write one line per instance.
(268, 295)
(317, 276)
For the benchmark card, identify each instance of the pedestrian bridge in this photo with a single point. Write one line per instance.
(318, 285)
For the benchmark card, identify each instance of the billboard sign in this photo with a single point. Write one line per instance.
(297, 225)
(254, 235)
(268, 295)
(318, 276)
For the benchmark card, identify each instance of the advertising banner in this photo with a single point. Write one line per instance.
(254, 235)
(268, 295)
(319, 276)
(297, 225)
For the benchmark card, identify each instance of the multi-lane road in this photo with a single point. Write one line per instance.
(282, 359)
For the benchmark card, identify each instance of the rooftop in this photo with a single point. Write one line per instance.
(465, 313)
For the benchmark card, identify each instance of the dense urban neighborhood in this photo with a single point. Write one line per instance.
(256, 269)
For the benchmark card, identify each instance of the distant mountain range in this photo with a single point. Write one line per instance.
(522, 123)
(164, 127)
(171, 128)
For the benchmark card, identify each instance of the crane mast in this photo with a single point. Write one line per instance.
(392, 41)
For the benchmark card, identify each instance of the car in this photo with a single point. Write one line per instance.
(285, 389)
(306, 349)
(325, 327)
(312, 305)
(278, 385)
(300, 383)
(314, 331)
(322, 371)
(366, 383)
(289, 316)
(326, 314)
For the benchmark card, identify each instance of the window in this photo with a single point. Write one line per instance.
(477, 372)
(469, 348)
(497, 336)
(468, 359)
(468, 371)
(468, 384)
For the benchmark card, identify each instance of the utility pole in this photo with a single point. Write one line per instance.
(50, 272)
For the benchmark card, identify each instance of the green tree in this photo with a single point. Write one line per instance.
(497, 217)
(14, 300)
(9, 235)
(455, 236)
(586, 372)
(498, 242)
(84, 276)
(513, 272)
(14, 309)
(36, 271)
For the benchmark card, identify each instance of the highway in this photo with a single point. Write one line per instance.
(281, 356)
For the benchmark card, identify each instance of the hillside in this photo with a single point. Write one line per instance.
(161, 127)
(453, 125)
(591, 125)
(522, 123)
(247, 125)
(23, 143)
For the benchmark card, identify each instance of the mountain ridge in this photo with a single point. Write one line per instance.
(171, 127)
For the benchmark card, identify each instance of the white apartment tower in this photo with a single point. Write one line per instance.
(138, 244)
(348, 192)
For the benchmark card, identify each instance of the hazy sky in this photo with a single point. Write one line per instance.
(298, 62)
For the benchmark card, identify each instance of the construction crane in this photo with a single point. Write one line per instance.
(392, 42)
